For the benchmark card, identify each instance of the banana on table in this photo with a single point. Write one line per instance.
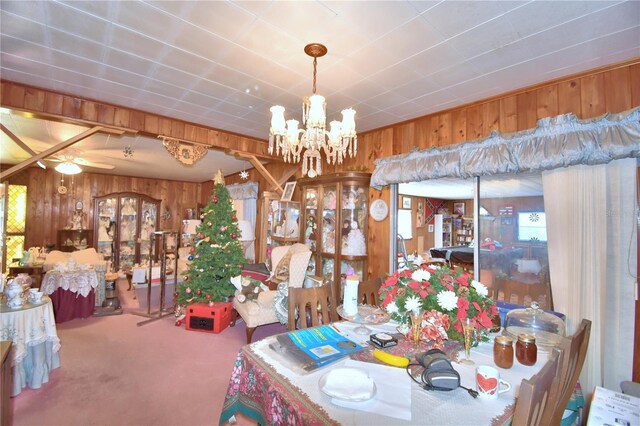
(387, 358)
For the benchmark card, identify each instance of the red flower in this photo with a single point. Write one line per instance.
(483, 319)
(494, 310)
(463, 280)
(463, 303)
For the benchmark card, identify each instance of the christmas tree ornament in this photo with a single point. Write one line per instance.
(190, 258)
(188, 290)
(208, 296)
(178, 323)
(176, 294)
(223, 228)
(198, 292)
(234, 235)
(201, 235)
(234, 217)
(215, 200)
(201, 216)
(211, 303)
(208, 223)
(192, 249)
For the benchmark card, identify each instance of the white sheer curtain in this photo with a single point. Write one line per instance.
(245, 198)
(591, 226)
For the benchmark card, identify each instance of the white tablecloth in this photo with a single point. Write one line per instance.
(81, 282)
(427, 407)
(32, 329)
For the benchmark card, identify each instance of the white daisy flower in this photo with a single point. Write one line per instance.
(392, 308)
(413, 303)
(480, 288)
(421, 275)
(447, 300)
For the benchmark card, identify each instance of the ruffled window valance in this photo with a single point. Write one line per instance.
(556, 142)
(243, 191)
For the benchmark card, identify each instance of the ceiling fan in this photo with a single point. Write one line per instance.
(71, 160)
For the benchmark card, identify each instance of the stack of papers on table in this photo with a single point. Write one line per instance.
(313, 348)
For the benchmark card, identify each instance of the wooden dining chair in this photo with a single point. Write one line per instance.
(537, 396)
(574, 353)
(368, 292)
(310, 307)
(520, 293)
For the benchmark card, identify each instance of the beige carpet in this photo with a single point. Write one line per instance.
(114, 372)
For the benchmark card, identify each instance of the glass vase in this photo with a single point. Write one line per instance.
(416, 328)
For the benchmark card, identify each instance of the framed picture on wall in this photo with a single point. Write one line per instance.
(287, 193)
(420, 215)
(458, 209)
(406, 202)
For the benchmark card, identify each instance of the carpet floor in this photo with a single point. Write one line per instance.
(114, 372)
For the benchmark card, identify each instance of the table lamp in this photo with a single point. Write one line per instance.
(246, 235)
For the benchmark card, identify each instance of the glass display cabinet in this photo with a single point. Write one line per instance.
(124, 224)
(335, 211)
(280, 224)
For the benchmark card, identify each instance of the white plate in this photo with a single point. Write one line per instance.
(323, 381)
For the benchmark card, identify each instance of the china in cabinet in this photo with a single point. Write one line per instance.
(124, 224)
(335, 224)
(74, 239)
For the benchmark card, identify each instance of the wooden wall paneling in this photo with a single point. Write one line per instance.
(617, 88)
(404, 136)
(444, 129)
(13, 95)
(634, 81)
(547, 101)
(421, 134)
(432, 136)
(491, 117)
(106, 114)
(527, 110)
(475, 128)
(122, 117)
(89, 111)
(569, 97)
(508, 114)
(53, 103)
(378, 238)
(458, 126)
(593, 96)
(34, 99)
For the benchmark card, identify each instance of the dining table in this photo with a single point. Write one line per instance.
(73, 293)
(267, 387)
(32, 329)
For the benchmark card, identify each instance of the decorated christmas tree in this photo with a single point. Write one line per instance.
(217, 254)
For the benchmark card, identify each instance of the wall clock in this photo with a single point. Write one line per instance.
(379, 210)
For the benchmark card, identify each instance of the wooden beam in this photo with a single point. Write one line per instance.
(246, 155)
(62, 145)
(265, 173)
(287, 175)
(21, 144)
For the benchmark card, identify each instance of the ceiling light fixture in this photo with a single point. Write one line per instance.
(336, 143)
(68, 168)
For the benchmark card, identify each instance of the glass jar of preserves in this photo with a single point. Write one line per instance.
(526, 349)
(503, 351)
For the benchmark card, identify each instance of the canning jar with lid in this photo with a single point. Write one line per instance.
(526, 349)
(503, 351)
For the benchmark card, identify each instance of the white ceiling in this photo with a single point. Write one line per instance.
(224, 63)
(497, 186)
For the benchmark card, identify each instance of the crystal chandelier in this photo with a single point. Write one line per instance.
(290, 140)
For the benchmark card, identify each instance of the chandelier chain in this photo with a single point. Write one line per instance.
(315, 71)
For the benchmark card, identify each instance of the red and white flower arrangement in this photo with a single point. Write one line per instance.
(443, 296)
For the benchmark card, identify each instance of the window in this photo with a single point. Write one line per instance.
(532, 226)
(15, 222)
